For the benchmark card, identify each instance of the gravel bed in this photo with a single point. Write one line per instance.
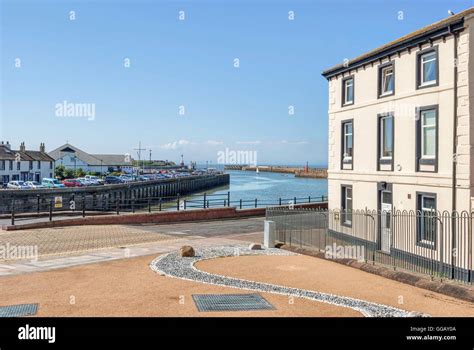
(173, 265)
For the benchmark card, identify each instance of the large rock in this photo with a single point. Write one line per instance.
(255, 246)
(416, 314)
(187, 251)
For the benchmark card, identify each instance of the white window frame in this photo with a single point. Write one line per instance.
(423, 127)
(424, 209)
(345, 135)
(346, 88)
(384, 77)
(345, 189)
(382, 137)
(422, 70)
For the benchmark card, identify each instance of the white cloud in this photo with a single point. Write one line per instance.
(248, 142)
(294, 142)
(175, 145)
(214, 142)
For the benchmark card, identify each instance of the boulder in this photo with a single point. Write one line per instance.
(416, 314)
(187, 251)
(255, 246)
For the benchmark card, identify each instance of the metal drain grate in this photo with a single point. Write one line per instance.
(18, 310)
(231, 302)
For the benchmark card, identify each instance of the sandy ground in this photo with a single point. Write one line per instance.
(128, 287)
(326, 276)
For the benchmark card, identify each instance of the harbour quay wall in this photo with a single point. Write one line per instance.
(316, 173)
(104, 197)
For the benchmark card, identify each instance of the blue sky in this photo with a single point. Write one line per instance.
(188, 63)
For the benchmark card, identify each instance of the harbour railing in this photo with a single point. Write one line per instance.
(438, 244)
(77, 205)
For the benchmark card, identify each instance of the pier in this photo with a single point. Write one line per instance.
(315, 173)
(105, 197)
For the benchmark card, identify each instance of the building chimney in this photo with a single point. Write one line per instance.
(42, 148)
(22, 147)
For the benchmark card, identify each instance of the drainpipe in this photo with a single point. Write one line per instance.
(455, 143)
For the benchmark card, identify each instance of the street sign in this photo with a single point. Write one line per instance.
(58, 202)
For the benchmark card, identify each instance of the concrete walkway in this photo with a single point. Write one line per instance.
(71, 246)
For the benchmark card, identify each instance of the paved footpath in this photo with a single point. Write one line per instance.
(71, 246)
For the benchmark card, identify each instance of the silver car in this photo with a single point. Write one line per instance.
(17, 185)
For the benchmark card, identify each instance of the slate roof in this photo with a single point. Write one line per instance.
(90, 159)
(427, 30)
(7, 154)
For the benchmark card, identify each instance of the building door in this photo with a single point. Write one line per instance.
(386, 220)
(38, 177)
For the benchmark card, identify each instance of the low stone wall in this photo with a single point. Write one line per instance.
(157, 217)
(101, 197)
(312, 173)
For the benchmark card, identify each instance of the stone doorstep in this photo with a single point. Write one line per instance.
(448, 288)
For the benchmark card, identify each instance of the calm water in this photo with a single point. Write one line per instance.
(248, 185)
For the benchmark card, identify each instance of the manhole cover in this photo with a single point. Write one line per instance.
(18, 310)
(231, 302)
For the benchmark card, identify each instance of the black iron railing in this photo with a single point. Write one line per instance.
(438, 244)
(82, 205)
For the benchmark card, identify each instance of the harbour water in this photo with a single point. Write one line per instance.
(269, 187)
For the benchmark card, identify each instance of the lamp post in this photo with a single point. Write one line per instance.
(150, 161)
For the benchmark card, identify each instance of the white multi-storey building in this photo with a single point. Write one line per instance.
(400, 126)
(401, 140)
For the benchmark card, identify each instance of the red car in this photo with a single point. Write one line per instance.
(72, 183)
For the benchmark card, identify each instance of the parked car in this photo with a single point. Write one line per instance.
(51, 183)
(34, 184)
(72, 183)
(113, 180)
(127, 178)
(17, 185)
(94, 179)
(84, 182)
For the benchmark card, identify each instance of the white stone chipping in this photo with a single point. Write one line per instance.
(173, 265)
